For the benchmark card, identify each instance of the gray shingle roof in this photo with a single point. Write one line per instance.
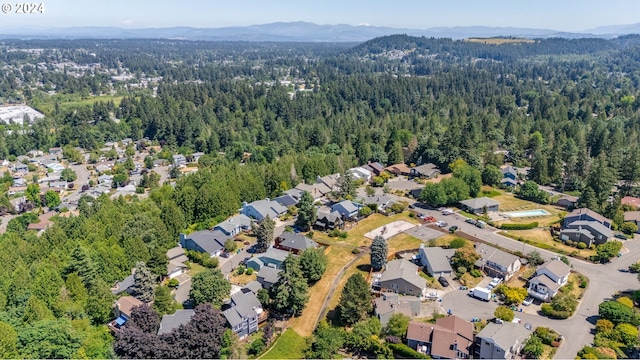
(296, 241)
(428, 169)
(123, 285)
(268, 207)
(229, 225)
(584, 232)
(546, 281)
(286, 200)
(170, 322)
(489, 253)
(275, 254)
(590, 213)
(509, 170)
(346, 205)
(592, 225)
(504, 335)
(479, 203)
(269, 274)
(556, 267)
(437, 257)
(403, 269)
(209, 241)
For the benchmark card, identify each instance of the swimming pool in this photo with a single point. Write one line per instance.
(526, 213)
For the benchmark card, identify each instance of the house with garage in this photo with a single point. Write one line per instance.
(179, 160)
(509, 172)
(173, 321)
(272, 257)
(449, 338)
(244, 312)
(382, 202)
(124, 285)
(294, 243)
(437, 261)
(500, 341)
(234, 225)
(631, 201)
(478, 205)
(426, 171)
(401, 276)
(206, 241)
(317, 190)
(347, 209)
(586, 231)
(388, 304)
(398, 169)
(360, 173)
(375, 167)
(267, 276)
(287, 200)
(633, 217)
(549, 278)
(123, 307)
(328, 220)
(177, 262)
(329, 181)
(260, 209)
(567, 201)
(585, 214)
(497, 263)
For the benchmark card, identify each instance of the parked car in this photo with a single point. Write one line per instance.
(470, 221)
(495, 281)
(453, 229)
(528, 301)
(443, 281)
(420, 215)
(621, 236)
(441, 223)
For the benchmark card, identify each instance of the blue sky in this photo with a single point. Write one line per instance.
(564, 15)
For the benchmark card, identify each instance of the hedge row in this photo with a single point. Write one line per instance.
(547, 310)
(528, 226)
(406, 352)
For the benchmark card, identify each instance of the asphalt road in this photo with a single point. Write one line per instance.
(604, 281)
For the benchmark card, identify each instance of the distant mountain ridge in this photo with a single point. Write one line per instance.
(302, 31)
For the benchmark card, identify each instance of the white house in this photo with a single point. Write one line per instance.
(361, 174)
(550, 277)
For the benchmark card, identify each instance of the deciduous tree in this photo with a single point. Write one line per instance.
(209, 286)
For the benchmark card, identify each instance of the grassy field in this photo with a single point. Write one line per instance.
(542, 238)
(403, 242)
(196, 268)
(338, 257)
(499, 41)
(361, 266)
(70, 101)
(289, 345)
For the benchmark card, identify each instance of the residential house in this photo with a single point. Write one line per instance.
(294, 243)
(58, 184)
(177, 260)
(567, 201)
(207, 241)
(631, 201)
(585, 214)
(234, 225)
(436, 261)
(287, 200)
(328, 220)
(123, 307)
(244, 313)
(21, 167)
(449, 338)
(389, 304)
(401, 276)
(398, 169)
(20, 182)
(509, 172)
(36, 153)
(55, 167)
(588, 232)
(478, 205)
(550, 277)
(381, 201)
(272, 257)
(55, 151)
(16, 190)
(103, 168)
(267, 276)
(497, 263)
(428, 171)
(347, 209)
(124, 285)
(329, 180)
(508, 182)
(260, 209)
(196, 156)
(360, 173)
(376, 168)
(317, 190)
(500, 341)
(173, 321)
(179, 160)
(43, 222)
(634, 217)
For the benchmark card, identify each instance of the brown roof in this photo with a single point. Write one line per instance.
(630, 200)
(446, 332)
(589, 212)
(632, 216)
(398, 169)
(126, 303)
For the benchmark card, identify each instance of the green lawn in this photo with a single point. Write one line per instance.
(289, 345)
(70, 101)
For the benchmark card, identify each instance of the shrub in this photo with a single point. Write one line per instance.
(240, 270)
(355, 251)
(457, 243)
(173, 283)
(569, 242)
(626, 302)
(249, 271)
(310, 234)
(403, 351)
(412, 215)
(475, 273)
(547, 310)
(528, 226)
(256, 347)
(462, 269)
(582, 245)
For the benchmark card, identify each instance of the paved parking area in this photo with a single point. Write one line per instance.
(424, 233)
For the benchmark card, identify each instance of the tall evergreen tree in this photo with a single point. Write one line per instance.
(264, 234)
(290, 294)
(143, 283)
(378, 252)
(346, 186)
(306, 212)
(355, 300)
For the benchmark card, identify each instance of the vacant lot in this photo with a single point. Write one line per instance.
(289, 345)
(70, 102)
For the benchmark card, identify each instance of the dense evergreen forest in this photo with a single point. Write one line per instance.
(290, 112)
